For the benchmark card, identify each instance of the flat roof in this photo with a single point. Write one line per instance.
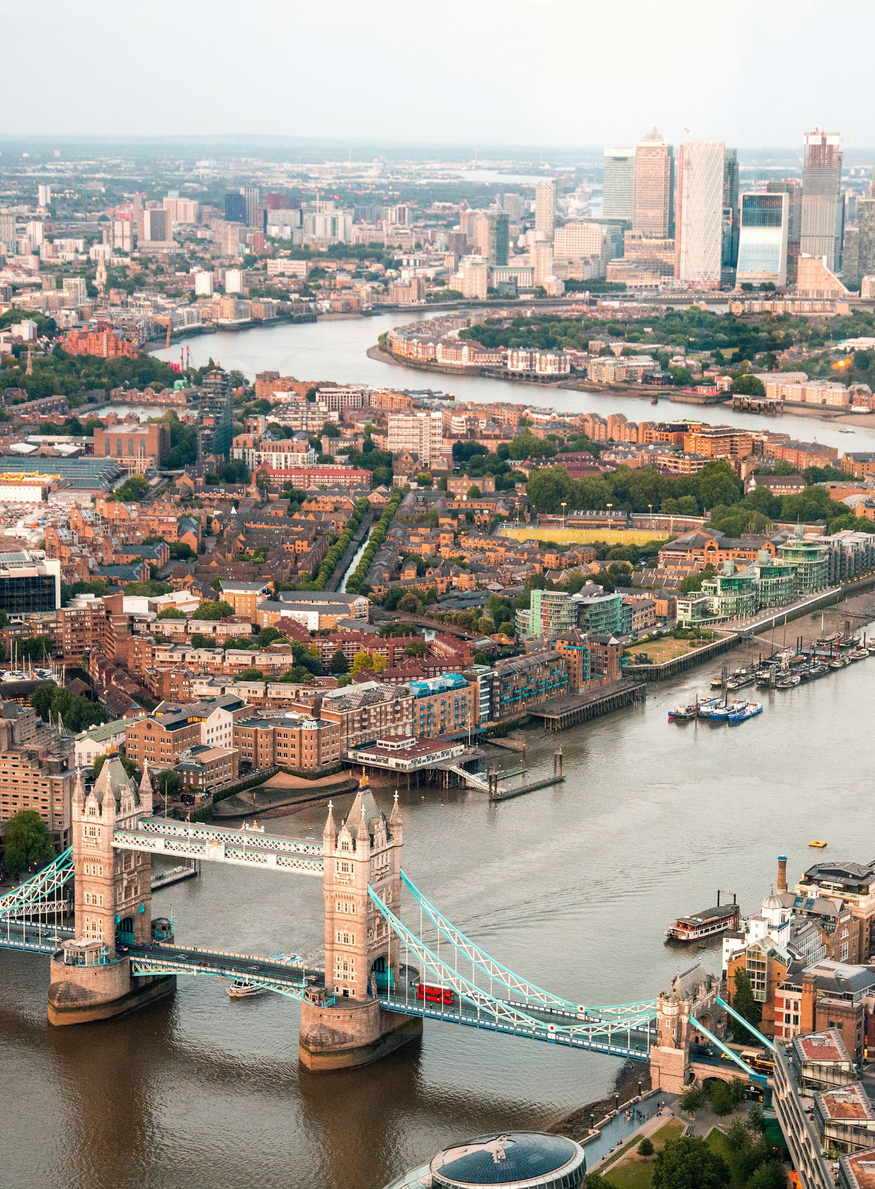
(846, 1102)
(822, 1047)
(861, 1168)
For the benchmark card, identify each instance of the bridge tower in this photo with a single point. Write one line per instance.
(693, 993)
(91, 980)
(345, 1026)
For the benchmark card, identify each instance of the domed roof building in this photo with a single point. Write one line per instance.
(514, 1160)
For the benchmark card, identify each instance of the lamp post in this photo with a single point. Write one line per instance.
(610, 507)
(564, 506)
(650, 510)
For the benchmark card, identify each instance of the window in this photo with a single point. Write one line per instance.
(91, 832)
(843, 956)
(343, 938)
(94, 898)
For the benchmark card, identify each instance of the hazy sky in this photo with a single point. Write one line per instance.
(560, 72)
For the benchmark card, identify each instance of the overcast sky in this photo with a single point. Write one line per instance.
(754, 73)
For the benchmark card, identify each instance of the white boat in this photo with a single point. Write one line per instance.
(241, 989)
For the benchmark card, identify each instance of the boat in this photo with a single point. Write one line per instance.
(816, 842)
(716, 683)
(681, 713)
(707, 923)
(705, 708)
(241, 989)
(750, 710)
(722, 713)
(741, 681)
(787, 681)
(858, 654)
(839, 662)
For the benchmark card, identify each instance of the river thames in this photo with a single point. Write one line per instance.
(571, 886)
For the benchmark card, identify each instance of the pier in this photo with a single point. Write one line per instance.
(559, 713)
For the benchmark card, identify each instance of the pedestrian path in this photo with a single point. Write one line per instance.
(617, 1133)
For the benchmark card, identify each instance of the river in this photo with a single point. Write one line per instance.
(336, 350)
(571, 886)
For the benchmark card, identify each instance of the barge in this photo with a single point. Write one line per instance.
(707, 923)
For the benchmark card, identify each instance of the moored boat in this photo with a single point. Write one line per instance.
(750, 710)
(681, 713)
(241, 989)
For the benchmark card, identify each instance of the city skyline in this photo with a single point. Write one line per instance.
(516, 43)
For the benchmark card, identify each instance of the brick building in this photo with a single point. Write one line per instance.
(137, 448)
(296, 741)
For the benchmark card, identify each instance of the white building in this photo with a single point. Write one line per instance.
(44, 195)
(76, 290)
(203, 284)
(475, 276)
(541, 259)
(421, 433)
(699, 220)
(578, 239)
(545, 209)
(233, 280)
(762, 248)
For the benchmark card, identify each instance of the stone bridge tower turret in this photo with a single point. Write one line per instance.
(692, 994)
(361, 952)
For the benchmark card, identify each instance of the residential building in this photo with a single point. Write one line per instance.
(235, 207)
(762, 252)
(541, 261)
(295, 741)
(545, 210)
(793, 190)
(854, 885)
(244, 597)
(730, 208)
(551, 612)
(526, 681)
(498, 238)
(100, 741)
(215, 414)
(475, 277)
(29, 779)
(866, 224)
(653, 186)
(421, 433)
(204, 769)
(822, 206)
(444, 706)
(576, 240)
(363, 712)
(163, 737)
(699, 219)
(618, 190)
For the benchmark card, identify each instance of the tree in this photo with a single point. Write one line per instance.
(688, 1163)
(168, 783)
(213, 610)
(645, 1148)
(474, 492)
(745, 1005)
(361, 662)
(692, 1099)
(199, 640)
(756, 1120)
(693, 582)
(171, 613)
(748, 384)
(26, 841)
(132, 490)
(252, 675)
(416, 648)
(408, 602)
(267, 636)
(738, 1136)
(721, 1098)
(338, 663)
(547, 487)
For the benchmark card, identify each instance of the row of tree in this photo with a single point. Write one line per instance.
(375, 541)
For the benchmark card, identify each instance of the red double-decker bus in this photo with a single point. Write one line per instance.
(434, 993)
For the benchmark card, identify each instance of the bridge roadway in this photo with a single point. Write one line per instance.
(276, 973)
(243, 847)
(635, 1042)
(34, 938)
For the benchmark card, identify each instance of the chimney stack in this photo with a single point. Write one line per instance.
(782, 873)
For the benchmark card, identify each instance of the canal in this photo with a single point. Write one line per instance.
(572, 886)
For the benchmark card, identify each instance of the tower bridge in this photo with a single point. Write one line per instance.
(384, 971)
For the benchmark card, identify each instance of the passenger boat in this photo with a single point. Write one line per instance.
(707, 923)
(241, 989)
(750, 710)
(816, 842)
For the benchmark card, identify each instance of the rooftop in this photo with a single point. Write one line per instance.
(859, 1169)
(846, 1102)
(822, 1047)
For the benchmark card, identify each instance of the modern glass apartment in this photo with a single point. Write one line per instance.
(762, 249)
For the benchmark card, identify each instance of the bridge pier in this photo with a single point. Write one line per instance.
(693, 993)
(82, 994)
(351, 1033)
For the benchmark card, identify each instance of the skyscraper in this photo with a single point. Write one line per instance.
(699, 218)
(235, 207)
(822, 208)
(866, 224)
(498, 238)
(653, 190)
(545, 210)
(762, 250)
(730, 208)
(252, 198)
(44, 195)
(793, 190)
(619, 184)
(215, 414)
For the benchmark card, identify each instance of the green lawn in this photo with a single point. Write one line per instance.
(628, 1170)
